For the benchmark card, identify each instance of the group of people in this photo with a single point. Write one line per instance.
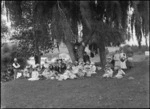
(62, 70)
(59, 70)
(117, 65)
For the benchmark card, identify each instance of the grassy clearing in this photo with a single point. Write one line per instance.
(94, 92)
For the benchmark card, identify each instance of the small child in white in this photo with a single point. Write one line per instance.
(35, 75)
(81, 71)
(93, 68)
(87, 68)
(66, 73)
(75, 69)
(108, 72)
(26, 72)
(120, 73)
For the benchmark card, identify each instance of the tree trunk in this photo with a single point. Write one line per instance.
(102, 54)
(71, 50)
(139, 42)
(37, 56)
(37, 52)
(80, 51)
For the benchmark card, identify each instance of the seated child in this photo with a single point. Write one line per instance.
(87, 69)
(120, 73)
(66, 74)
(108, 72)
(35, 75)
(81, 71)
(63, 67)
(46, 73)
(25, 72)
(75, 69)
(93, 68)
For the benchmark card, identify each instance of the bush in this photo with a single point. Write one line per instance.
(141, 50)
(134, 49)
(8, 53)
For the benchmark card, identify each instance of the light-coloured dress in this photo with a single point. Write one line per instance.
(93, 69)
(117, 61)
(87, 69)
(66, 74)
(120, 74)
(108, 73)
(46, 73)
(75, 69)
(34, 76)
(123, 63)
(26, 73)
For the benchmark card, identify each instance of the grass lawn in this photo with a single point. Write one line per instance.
(93, 92)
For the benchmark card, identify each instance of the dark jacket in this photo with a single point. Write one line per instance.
(86, 58)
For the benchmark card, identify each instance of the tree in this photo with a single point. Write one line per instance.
(140, 19)
(32, 34)
(103, 21)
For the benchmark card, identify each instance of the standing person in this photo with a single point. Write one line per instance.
(123, 60)
(16, 67)
(113, 62)
(36, 59)
(130, 58)
(86, 57)
(117, 60)
(46, 64)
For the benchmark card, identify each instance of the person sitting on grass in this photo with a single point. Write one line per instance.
(123, 60)
(120, 73)
(26, 72)
(67, 72)
(86, 57)
(63, 67)
(10, 71)
(46, 65)
(75, 69)
(108, 72)
(117, 60)
(35, 74)
(87, 69)
(93, 68)
(81, 71)
(46, 73)
(72, 75)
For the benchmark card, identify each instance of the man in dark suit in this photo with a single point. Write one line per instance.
(86, 57)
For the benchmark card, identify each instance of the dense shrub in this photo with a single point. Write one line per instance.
(134, 49)
(141, 50)
(8, 53)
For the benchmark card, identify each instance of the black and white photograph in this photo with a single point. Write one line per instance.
(75, 54)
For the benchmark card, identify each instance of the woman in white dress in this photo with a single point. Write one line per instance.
(87, 69)
(26, 72)
(123, 60)
(117, 60)
(35, 75)
(108, 72)
(81, 71)
(93, 68)
(120, 74)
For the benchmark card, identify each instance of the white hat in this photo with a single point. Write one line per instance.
(15, 59)
(92, 63)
